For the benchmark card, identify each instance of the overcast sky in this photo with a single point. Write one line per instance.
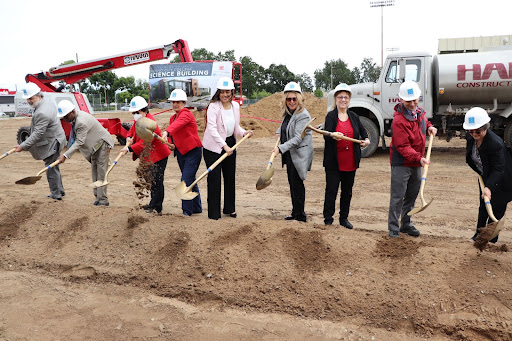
(38, 35)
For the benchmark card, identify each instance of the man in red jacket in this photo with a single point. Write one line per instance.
(407, 150)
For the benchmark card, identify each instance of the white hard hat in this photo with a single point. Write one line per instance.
(137, 103)
(29, 90)
(475, 118)
(342, 87)
(293, 86)
(225, 83)
(409, 91)
(178, 95)
(64, 107)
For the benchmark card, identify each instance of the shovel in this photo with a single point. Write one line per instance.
(9, 152)
(496, 225)
(327, 133)
(100, 183)
(266, 177)
(306, 127)
(30, 180)
(185, 193)
(424, 204)
(145, 129)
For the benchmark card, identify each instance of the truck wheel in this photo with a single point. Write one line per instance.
(507, 135)
(373, 136)
(23, 134)
(127, 126)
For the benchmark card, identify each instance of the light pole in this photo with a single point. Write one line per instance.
(382, 4)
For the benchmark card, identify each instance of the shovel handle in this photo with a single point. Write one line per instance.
(272, 156)
(215, 164)
(327, 133)
(161, 139)
(425, 168)
(9, 152)
(51, 165)
(113, 164)
(487, 201)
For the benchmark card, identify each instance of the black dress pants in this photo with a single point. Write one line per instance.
(297, 190)
(228, 170)
(333, 179)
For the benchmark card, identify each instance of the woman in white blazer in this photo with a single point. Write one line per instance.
(222, 128)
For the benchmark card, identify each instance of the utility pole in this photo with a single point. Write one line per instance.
(382, 4)
(331, 76)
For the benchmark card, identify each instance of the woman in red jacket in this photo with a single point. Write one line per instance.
(158, 154)
(182, 131)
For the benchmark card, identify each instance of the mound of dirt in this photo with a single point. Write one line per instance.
(70, 270)
(260, 115)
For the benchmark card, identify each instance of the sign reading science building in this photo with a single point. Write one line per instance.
(198, 80)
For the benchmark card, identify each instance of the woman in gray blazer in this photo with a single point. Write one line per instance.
(297, 152)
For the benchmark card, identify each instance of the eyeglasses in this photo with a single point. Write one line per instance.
(343, 97)
(476, 131)
(291, 99)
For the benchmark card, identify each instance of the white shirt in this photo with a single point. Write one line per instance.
(230, 120)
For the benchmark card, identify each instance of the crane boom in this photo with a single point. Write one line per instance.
(72, 73)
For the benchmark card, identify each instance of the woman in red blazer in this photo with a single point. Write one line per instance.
(158, 154)
(182, 131)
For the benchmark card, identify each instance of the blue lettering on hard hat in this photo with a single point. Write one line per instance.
(60, 110)
(225, 83)
(410, 91)
(132, 103)
(25, 91)
(174, 95)
(471, 119)
(292, 86)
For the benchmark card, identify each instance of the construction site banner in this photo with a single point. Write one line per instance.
(198, 80)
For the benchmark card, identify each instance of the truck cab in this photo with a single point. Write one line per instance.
(375, 102)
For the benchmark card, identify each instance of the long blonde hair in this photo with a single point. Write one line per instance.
(300, 104)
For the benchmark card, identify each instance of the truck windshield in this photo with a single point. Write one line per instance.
(412, 71)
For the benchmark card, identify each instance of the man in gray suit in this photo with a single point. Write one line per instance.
(92, 140)
(46, 138)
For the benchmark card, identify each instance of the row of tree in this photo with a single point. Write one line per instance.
(257, 80)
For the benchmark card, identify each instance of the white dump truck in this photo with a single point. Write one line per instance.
(451, 84)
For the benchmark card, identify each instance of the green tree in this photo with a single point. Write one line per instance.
(368, 71)
(305, 81)
(339, 71)
(318, 93)
(253, 76)
(277, 76)
(102, 83)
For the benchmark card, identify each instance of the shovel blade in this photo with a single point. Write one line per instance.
(419, 209)
(96, 184)
(183, 192)
(99, 183)
(497, 229)
(265, 179)
(29, 180)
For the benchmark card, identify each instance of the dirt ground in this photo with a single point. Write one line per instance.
(73, 271)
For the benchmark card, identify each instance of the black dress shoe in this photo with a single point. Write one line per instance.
(289, 217)
(345, 223)
(232, 215)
